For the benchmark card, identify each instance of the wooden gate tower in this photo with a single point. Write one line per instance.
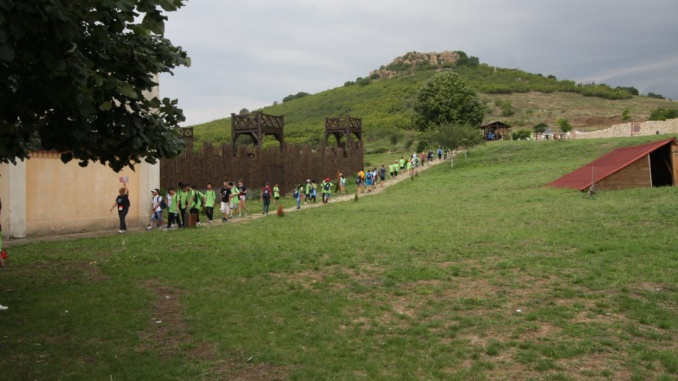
(257, 125)
(346, 127)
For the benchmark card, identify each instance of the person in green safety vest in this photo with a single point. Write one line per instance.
(307, 191)
(209, 199)
(183, 204)
(173, 205)
(276, 194)
(195, 202)
(326, 189)
(235, 197)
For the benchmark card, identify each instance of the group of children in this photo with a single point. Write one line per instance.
(186, 200)
(310, 190)
(183, 206)
(367, 180)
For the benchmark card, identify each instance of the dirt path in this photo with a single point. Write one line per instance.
(335, 198)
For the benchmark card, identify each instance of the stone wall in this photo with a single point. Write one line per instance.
(632, 129)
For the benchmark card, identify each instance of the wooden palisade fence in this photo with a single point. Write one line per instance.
(287, 166)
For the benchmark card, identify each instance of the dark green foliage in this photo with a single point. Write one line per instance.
(656, 96)
(539, 128)
(465, 60)
(664, 113)
(298, 95)
(603, 91)
(521, 134)
(446, 98)
(422, 145)
(73, 77)
(629, 89)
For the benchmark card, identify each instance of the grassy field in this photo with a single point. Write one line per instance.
(473, 273)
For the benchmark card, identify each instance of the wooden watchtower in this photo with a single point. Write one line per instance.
(187, 134)
(257, 125)
(343, 128)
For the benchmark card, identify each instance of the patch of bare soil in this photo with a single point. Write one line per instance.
(167, 334)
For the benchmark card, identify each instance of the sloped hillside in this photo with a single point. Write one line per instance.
(384, 100)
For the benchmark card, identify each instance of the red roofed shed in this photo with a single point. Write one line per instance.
(646, 165)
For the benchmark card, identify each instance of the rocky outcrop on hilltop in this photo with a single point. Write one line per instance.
(415, 60)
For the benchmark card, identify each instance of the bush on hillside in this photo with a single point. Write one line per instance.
(522, 134)
(298, 95)
(603, 91)
(539, 128)
(664, 114)
(655, 96)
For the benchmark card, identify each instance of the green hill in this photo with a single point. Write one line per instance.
(384, 101)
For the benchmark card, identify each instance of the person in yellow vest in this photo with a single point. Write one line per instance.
(194, 202)
(276, 194)
(183, 204)
(360, 180)
(326, 189)
(234, 199)
(209, 199)
(173, 206)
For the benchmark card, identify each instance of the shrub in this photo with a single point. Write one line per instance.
(663, 114)
(656, 96)
(522, 134)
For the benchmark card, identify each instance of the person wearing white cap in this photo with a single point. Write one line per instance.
(156, 210)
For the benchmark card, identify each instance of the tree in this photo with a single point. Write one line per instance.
(539, 128)
(73, 78)
(447, 99)
(243, 111)
(564, 125)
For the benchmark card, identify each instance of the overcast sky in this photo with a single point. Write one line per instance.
(248, 54)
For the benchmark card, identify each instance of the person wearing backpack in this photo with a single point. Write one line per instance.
(195, 203)
(156, 210)
(314, 191)
(307, 191)
(123, 204)
(266, 193)
(209, 199)
(326, 188)
(297, 195)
